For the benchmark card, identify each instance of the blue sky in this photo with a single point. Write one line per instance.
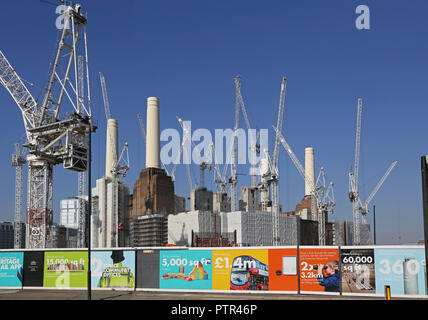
(187, 54)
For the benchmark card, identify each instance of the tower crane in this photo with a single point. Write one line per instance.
(274, 174)
(254, 146)
(81, 176)
(186, 137)
(322, 197)
(52, 139)
(105, 96)
(18, 161)
(353, 178)
(364, 207)
(357, 205)
(143, 131)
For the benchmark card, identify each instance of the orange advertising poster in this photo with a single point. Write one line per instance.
(240, 269)
(283, 269)
(319, 269)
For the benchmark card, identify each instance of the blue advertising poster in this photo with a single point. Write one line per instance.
(185, 269)
(11, 269)
(403, 269)
(113, 269)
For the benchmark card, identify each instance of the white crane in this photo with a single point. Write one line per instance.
(353, 178)
(18, 161)
(105, 96)
(254, 147)
(274, 172)
(364, 207)
(52, 140)
(143, 131)
(322, 197)
(186, 137)
(81, 176)
(357, 206)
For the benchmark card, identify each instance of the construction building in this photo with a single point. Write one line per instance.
(249, 199)
(110, 199)
(201, 199)
(64, 237)
(183, 227)
(255, 228)
(153, 196)
(344, 233)
(179, 203)
(69, 211)
(7, 235)
(148, 230)
(221, 202)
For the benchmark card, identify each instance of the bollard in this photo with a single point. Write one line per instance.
(387, 292)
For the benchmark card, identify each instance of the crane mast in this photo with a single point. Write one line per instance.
(50, 139)
(233, 179)
(353, 179)
(275, 173)
(18, 161)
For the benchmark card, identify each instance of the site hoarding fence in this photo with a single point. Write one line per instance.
(358, 270)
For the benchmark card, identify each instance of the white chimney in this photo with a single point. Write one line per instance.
(309, 169)
(111, 145)
(153, 134)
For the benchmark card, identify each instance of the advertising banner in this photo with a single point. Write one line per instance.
(283, 269)
(403, 269)
(185, 269)
(113, 269)
(65, 269)
(242, 269)
(358, 271)
(319, 269)
(148, 268)
(33, 268)
(11, 269)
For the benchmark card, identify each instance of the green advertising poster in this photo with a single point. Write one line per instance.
(65, 269)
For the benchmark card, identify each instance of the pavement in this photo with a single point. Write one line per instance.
(47, 294)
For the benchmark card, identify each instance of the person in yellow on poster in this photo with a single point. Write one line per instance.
(117, 276)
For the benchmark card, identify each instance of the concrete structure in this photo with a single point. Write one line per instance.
(344, 233)
(201, 199)
(110, 212)
(249, 199)
(6, 235)
(255, 228)
(69, 212)
(112, 148)
(153, 134)
(179, 203)
(183, 225)
(64, 237)
(221, 202)
(309, 169)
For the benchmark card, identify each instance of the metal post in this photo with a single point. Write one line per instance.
(88, 221)
(387, 292)
(424, 169)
